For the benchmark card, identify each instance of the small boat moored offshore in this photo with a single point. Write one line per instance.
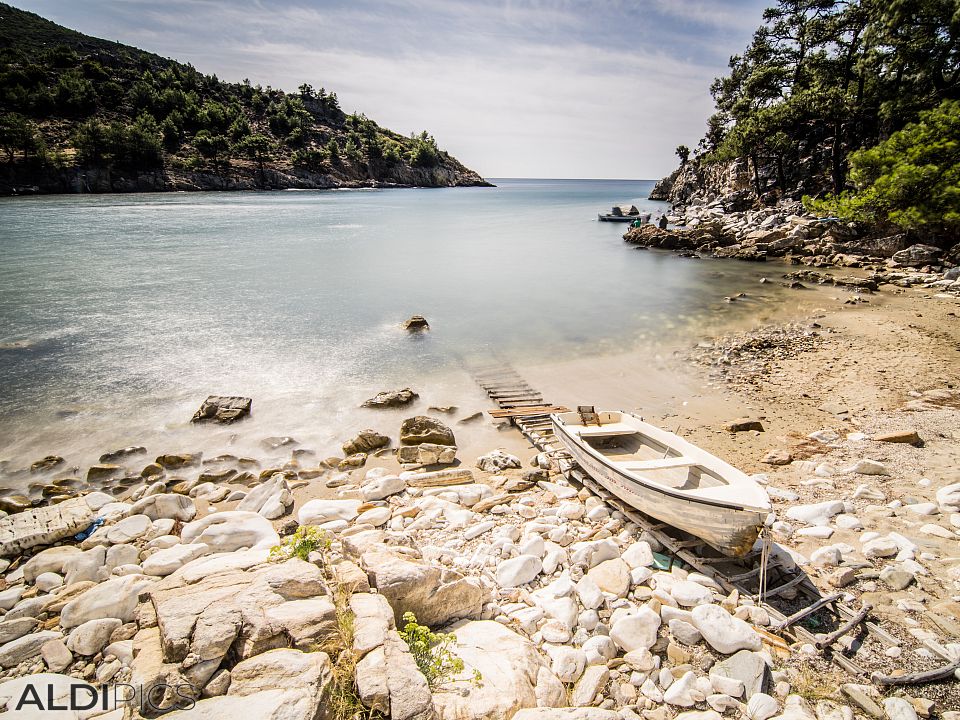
(624, 213)
(664, 476)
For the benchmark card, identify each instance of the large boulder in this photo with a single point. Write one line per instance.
(918, 255)
(389, 680)
(513, 675)
(49, 524)
(424, 429)
(231, 530)
(277, 685)
(172, 506)
(249, 612)
(223, 409)
(49, 560)
(366, 441)
(436, 595)
(115, 598)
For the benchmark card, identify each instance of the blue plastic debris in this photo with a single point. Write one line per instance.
(84, 534)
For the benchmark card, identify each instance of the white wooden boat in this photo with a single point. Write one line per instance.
(666, 477)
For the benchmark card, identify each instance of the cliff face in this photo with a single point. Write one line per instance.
(81, 114)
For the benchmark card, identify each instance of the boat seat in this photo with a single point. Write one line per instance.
(608, 430)
(661, 464)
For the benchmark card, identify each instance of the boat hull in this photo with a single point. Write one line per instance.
(617, 218)
(732, 531)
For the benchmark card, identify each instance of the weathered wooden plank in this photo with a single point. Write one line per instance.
(520, 412)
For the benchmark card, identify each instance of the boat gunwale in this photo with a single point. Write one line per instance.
(561, 426)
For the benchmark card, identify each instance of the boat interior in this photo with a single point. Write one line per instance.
(625, 446)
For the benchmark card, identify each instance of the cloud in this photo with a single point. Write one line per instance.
(534, 88)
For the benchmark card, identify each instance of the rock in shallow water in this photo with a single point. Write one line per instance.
(223, 409)
(391, 399)
(424, 429)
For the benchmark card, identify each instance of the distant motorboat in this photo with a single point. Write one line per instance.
(666, 477)
(624, 213)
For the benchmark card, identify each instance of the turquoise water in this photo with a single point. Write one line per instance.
(120, 313)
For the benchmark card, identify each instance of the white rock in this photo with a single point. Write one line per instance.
(518, 571)
(650, 691)
(899, 709)
(374, 516)
(165, 562)
(880, 547)
(116, 598)
(848, 522)
(818, 531)
(611, 576)
(948, 498)
(129, 529)
(868, 467)
(382, 487)
(567, 663)
(570, 510)
(865, 492)
(11, 596)
(232, 530)
(923, 508)
(533, 545)
(682, 692)
(91, 637)
(636, 631)
(727, 685)
(817, 513)
(563, 609)
(761, 706)
(319, 511)
(638, 554)
(48, 581)
(498, 460)
(723, 632)
(599, 649)
(589, 685)
(590, 595)
(166, 506)
(691, 594)
(270, 499)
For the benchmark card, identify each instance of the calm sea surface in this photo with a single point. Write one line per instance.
(120, 313)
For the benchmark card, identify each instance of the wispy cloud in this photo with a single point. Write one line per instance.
(521, 87)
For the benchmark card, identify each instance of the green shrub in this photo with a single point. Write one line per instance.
(432, 653)
(304, 541)
(912, 179)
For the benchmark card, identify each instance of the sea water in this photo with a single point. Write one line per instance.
(119, 314)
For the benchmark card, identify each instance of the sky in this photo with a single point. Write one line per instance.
(512, 88)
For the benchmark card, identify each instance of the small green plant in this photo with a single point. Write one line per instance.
(432, 653)
(304, 541)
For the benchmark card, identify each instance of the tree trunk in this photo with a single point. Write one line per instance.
(756, 174)
(839, 160)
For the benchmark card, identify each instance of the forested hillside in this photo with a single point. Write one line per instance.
(82, 114)
(850, 105)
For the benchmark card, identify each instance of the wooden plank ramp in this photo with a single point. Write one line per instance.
(518, 402)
